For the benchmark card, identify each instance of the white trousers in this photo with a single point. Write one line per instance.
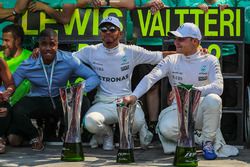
(207, 119)
(103, 113)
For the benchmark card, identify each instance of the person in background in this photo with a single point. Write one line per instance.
(190, 67)
(61, 16)
(246, 5)
(5, 5)
(14, 54)
(7, 79)
(47, 74)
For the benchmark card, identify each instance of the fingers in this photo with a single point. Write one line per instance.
(222, 7)
(156, 5)
(129, 100)
(171, 97)
(96, 3)
(32, 7)
(203, 7)
(35, 53)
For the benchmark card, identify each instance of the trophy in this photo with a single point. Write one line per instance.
(187, 99)
(125, 118)
(71, 98)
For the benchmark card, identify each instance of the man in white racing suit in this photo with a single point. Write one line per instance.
(189, 66)
(114, 63)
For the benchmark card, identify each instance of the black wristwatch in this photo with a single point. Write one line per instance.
(108, 2)
(14, 13)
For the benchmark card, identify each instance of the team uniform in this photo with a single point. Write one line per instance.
(114, 67)
(204, 73)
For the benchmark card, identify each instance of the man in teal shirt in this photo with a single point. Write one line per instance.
(5, 5)
(246, 5)
(48, 6)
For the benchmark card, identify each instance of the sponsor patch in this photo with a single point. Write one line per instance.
(202, 78)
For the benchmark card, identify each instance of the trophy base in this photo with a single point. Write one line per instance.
(72, 152)
(185, 157)
(125, 156)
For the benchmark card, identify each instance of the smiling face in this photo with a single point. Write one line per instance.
(110, 35)
(10, 44)
(48, 46)
(186, 45)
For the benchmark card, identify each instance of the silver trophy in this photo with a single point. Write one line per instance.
(187, 99)
(71, 98)
(125, 118)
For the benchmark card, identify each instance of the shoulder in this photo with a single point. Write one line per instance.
(26, 52)
(132, 48)
(64, 56)
(91, 48)
(173, 57)
(211, 58)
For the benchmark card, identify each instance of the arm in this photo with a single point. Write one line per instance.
(143, 56)
(62, 17)
(91, 78)
(159, 72)
(7, 80)
(155, 5)
(9, 14)
(82, 3)
(83, 54)
(129, 4)
(166, 53)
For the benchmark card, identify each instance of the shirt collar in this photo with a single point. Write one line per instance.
(112, 50)
(193, 56)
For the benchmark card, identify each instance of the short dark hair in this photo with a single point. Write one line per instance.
(48, 32)
(16, 30)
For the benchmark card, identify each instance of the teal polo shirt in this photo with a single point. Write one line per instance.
(170, 3)
(227, 49)
(246, 5)
(58, 3)
(216, 4)
(6, 4)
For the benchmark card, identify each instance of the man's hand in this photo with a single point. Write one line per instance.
(222, 7)
(129, 100)
(35, 53)
(3, 112)
(98, 3)
(203, 7)
(171, 97)
(4, 96)
(203, 50)
(156, 5)
(36, 6)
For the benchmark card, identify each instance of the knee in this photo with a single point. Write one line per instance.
(169, 129)
(15, 140)
(139, 119)
(92, 123)
(213, 102)
(138, 123)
